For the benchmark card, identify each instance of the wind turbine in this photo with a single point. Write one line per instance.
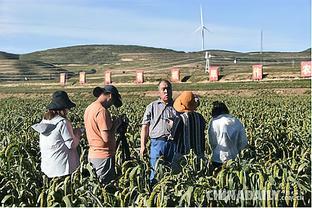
(202, 28)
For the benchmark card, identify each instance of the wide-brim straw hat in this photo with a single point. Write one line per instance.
(185, 102)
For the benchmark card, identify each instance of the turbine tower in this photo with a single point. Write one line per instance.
(261, 49)
(202, 28)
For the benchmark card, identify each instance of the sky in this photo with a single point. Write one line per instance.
(33, 25)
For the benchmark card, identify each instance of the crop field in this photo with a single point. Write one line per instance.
(274, 170)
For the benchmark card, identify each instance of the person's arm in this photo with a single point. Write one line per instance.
(202, 137)
(145, 129)
(242, 142)
(144, 135)
(176, 127)
(71, 137)
(107, 134)
(106, 125)
(212, 136)
(76, 137)
(76, 134)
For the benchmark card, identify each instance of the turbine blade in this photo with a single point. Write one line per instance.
(205, 28)
(198, 29)
(201, 16)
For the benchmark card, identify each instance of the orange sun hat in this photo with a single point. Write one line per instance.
(185, 102)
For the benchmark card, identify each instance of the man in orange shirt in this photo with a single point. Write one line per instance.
(100, 131)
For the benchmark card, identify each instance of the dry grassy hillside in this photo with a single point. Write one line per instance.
(123, 61)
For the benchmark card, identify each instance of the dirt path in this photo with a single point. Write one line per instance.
(243, 93)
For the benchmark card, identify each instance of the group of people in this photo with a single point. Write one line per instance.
(173, 126)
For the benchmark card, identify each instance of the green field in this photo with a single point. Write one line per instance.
(254, 87)
(277, 161)
(275, 168)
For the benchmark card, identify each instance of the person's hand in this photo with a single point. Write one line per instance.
(143, 151)
(170, 123)
(77, 132)
(117, 122)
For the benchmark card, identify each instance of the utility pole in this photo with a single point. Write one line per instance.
(261, 58)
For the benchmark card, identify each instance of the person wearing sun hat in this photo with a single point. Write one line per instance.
(58, 140)
(188, 128)
(186, 102)
(100, 131)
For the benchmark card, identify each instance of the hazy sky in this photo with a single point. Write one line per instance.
(32, 25)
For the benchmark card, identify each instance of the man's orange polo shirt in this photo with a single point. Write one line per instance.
(97, 119)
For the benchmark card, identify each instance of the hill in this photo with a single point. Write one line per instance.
(4, 55)
(89, 54)
(12, 68)
(124, 60)
(108, 54)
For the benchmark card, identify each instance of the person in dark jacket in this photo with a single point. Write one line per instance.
(188, 128)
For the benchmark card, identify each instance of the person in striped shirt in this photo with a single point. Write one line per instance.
(188, 128)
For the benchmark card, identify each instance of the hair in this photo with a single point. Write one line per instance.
(197, 101)
(219, 108)
(50, 114)
(104, 93)
(98, 91)
(165, 81)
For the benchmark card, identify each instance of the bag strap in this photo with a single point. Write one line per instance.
(158, 118)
